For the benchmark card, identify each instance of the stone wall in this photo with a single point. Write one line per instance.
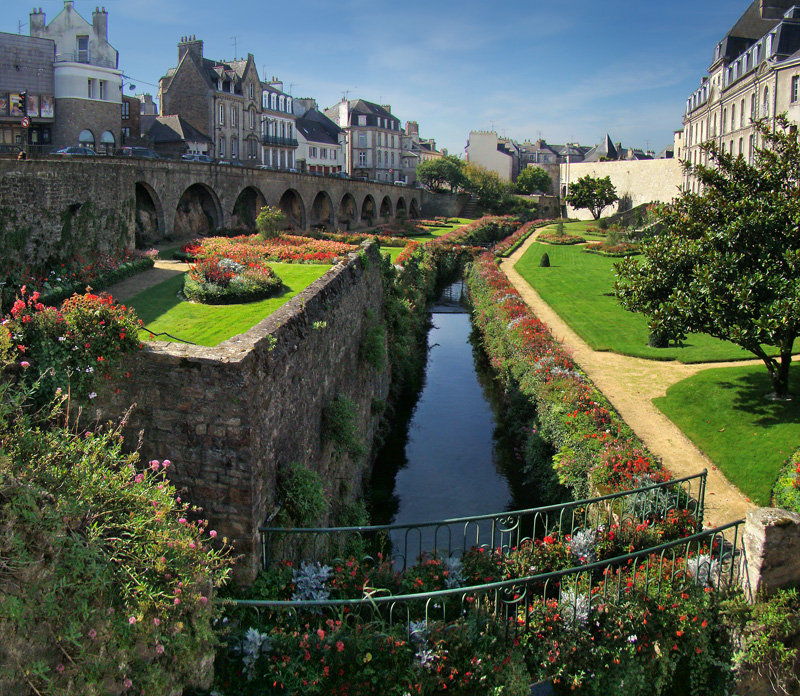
(637, 181)
(50, 213)
(442, 204)
(230, 417)
(771, 544)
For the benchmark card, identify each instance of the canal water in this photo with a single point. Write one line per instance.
(446, 457)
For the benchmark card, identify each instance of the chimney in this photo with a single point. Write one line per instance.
(387, 107)
(412, 128)
(276, 83)
(190, 44)
(100, 23)
(37, 22)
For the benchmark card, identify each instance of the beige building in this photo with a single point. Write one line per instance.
(87, 78)
(487, 150)
(754, 73)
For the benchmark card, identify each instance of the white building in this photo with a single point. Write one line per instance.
(484, 149)
(87, 78)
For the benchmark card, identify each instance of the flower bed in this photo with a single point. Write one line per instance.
(554, 238)
(616, 250)
(786, 493)
(511, 243)
(220, 280)
(247, 249)
(591, 441)
(100, 270)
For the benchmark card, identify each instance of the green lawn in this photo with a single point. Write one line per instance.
(578, 285)
(394, 252)
(725, 413)
(163, 309)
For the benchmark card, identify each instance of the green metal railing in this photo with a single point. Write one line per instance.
(403, 543)
(708, 559)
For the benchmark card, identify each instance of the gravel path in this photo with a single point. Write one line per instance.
(631, 384)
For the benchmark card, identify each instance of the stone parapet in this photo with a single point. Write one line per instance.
(771, 544)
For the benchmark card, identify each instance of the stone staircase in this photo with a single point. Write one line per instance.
(471, 208)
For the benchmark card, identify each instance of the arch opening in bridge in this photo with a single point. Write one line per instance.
(348, 211)
(413, 210)
(246, 209)
(198, 212)
(386, 208)
(293, 208)
(149, 216)
(400, 208)
(368, 212)
(322, 211)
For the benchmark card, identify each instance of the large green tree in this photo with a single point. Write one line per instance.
(441, 174)
(532, 179)
(593, 193)
(728, 261)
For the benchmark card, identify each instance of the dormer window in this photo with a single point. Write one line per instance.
(219, 85)
(769, 45)
(362, 120)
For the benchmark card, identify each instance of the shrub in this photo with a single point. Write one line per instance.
(111, 589)
(269, 222)
(302, 497)
(373, 342)
(340, 429)
(544, 262)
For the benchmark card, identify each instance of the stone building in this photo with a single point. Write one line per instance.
(26, 66)
(373, 138)
(754, 73)
(320, 141)
(131, 121)
(87, 79)
(413, 151)
(173, 136)
(225, 101)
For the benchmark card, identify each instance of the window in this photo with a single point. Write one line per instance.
(102, 90)
(282, 103)
(289, 133)
(741, 114)
(221, 114)
(362, 139)
(362, 120)
(126, 132)
(219, 85)
(741, 145)
(724, 119)
(222, 146)
(723, 148)
(312, 152)
(273, 101)
(126, 109)
(392, 141)
(393, 159)
(362, 159)
(795, 87)
(288, 105)
(379, 156)
(733, 116)
(766, 102)
(252, 119)
(82, 46)
(754, 106)
(234, 148)
(89, 90)
(250, 90)
(751, 146)
(333, 155)
(323, 153)
(234, 112)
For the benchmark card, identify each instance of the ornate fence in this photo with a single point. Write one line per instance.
(453, 537)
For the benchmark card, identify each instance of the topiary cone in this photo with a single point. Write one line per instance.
(544, 262)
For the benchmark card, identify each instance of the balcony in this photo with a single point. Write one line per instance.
(86, 58)
(276, 140)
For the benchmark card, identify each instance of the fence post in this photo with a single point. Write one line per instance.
(771, 545)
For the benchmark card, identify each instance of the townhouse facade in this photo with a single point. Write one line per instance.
(372, 139)
(754, 74)
(320, 141)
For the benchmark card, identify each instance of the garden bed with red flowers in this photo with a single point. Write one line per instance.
(560, 239)
(619, 250)
(247, 249)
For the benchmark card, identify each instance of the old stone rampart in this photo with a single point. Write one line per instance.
(230, 417)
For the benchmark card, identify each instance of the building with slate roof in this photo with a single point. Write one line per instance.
(173, 136)
(754, 73)
(320, 141)
(414, 151)
(244, 119)
(372, 138)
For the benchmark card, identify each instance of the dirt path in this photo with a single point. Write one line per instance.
(162, 270)
(631, 384)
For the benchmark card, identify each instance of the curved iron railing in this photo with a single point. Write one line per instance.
(708, 559)
(452, 537)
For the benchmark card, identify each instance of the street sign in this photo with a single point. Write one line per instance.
(26, 122)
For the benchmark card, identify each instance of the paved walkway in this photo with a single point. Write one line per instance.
(631, 384)
(162, 270)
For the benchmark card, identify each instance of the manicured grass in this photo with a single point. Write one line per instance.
(394, 252)
(163, 309)
(725, 413)
(578, 287)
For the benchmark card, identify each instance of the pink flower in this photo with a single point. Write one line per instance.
(212, 533)
(25, 365)
(156, 621)
(92, 633)
(191, 545)
(177, 601)
(159, 649)
(154, 465)
(139, 478)
(203, 600)
(131, 620)
(127, 683)
(166, 463)
(60, 668)
(181, 520)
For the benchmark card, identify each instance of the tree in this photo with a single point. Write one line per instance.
(728, 260)
(486, 185)
(594, 194)
(533, 179)
(441, 173)
(270, 221)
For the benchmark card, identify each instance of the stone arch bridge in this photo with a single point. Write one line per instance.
(66, 205)
(184, 198)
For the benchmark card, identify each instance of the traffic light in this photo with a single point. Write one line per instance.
(23, 102)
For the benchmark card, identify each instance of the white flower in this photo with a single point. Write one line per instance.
(92, 395)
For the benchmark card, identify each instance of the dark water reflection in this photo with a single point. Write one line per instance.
(446, 456)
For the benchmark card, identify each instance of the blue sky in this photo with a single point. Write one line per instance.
(524, 68)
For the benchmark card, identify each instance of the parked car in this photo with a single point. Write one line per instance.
(143, 152)
(194, 157)
(231, 163)
(75, 150)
